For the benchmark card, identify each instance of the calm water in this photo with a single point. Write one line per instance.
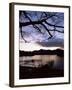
(40, 60)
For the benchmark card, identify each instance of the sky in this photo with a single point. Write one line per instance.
(35, 39)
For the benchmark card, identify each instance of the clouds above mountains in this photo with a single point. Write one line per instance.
(40, 26)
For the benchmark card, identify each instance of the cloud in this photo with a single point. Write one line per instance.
(57, 42)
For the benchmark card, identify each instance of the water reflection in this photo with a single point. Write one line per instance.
(41, 60)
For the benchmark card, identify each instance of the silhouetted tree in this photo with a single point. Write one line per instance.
(49, 21)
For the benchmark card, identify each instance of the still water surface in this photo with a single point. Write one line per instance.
(40, 60)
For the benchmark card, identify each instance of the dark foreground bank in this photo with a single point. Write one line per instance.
(41, 72)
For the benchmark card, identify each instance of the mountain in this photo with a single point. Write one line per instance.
(58, 52)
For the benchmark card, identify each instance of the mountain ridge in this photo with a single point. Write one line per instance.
(58, 52)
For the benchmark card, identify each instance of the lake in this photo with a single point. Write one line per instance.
(41, 60)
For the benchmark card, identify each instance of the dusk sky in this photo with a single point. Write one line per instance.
(35, 39)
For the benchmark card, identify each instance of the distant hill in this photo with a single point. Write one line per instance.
(58, 52)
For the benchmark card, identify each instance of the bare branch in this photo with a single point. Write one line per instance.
(43, 21)
(22, 35)
(36, 27)
(53, 25)
(47, 30)
(57, 31)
